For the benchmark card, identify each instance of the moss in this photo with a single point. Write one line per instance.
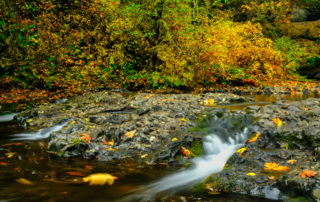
(196, 148)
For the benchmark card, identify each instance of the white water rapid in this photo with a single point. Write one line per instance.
(42, 134)
(216, 155)
(217, 152)
(7, 118)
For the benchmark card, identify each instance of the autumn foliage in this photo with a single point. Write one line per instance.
(67, 46)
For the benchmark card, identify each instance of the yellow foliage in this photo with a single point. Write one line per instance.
(99, 179)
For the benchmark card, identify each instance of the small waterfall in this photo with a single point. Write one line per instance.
(216, 155)
(42, 134)
(8, 117)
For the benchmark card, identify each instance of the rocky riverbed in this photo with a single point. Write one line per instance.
(152, 128)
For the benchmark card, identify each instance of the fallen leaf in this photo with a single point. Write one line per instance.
(3, 164)
(10, 154)
(130, 134)
(75, 174)
(12, 144)
(88, 167)
(110, 143)
(29, 120)
(73, 122)
(241, 150)
(277, 121)
(275, 167)
(99, 179)
(271, 178)
(255, 137)
(251, 174)
(209, 102)
(85, 137)
(291, 161)
(183, 119)
(174, 139)
(308, 173)
(144, 156)
(24, 181)
(185, 151)
(87, 119)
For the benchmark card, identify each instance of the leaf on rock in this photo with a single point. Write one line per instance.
(24, 181)
(291, 161)
(209, 102)
(110, 143)
(174, 139)
(242, 150)
(275, 167)
(85, 137)
(185, 151)
(251, 174)
(99, 179)
(308, 173)
(130, 134)
(183, 119)
(144, 156)
(277, 121)
(255, 137)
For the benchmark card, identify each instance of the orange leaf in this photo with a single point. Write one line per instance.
(255, 137)
(308, 173)
(85, 137)
(291, 161)
(3, 164)
(110, 143)
(275, 167)
(88, 167)
(75, 174)
(277, 121)
(185, 151)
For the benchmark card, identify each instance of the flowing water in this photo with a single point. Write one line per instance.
(23, 156)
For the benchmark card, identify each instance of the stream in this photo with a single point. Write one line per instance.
(23, 156)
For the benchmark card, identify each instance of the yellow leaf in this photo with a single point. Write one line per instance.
(242, 150)
(174, 139)
(209, 102)
(10, 154)
(277, 121)
(254, 138)
(275, 167)
(24, 181)
(29, 120)
(251, 174)
(110, 143)
(183, 119)
(185, 151)
(87, 119)
(130, 134)
(291, 161)
(144, 156)
(99, 179)
(73, 122)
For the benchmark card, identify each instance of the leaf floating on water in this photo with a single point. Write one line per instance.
(255, 137)
(185, 151)
(24, 181)
(110, 143)
(277, 121)
(85, 137)
(275, 167)
(242, 150)
(174, 139)
(75, 174)
(308, 173)
(10, 154)
(99, 179)
(3, 164)
(130, 134)
(183, 119)
(251, 174)
(291, 161)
